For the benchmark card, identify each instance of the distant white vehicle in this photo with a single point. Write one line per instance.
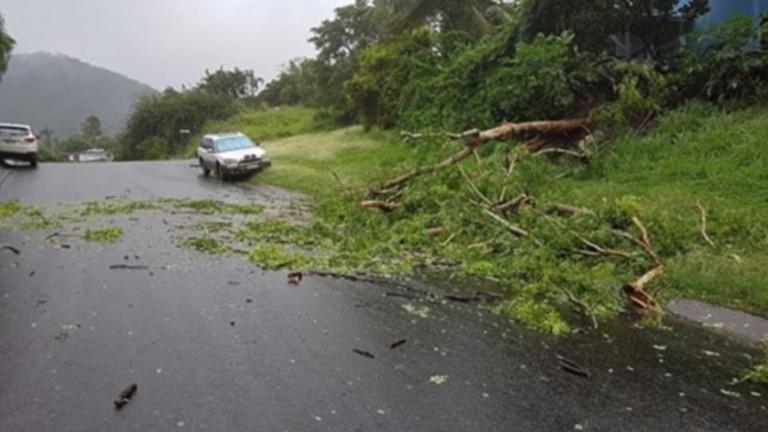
(17, 142)
(230, 154)
(92, 155)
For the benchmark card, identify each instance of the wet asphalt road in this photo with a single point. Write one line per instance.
(215, 344)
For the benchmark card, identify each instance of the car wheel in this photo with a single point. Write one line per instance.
(33, 163)
(219, 172)
(204, 167)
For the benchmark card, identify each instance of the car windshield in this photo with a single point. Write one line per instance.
(233, 143)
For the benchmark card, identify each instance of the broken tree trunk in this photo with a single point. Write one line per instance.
(475, 138)
(509, 130)
(638, 294)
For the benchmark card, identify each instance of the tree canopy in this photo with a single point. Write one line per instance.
(90, 129)
(472, 16)
(6, 46)
(236, 83)
(595, 22)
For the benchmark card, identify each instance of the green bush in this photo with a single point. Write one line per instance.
(426, 80)
(153, 130)
(725, 62)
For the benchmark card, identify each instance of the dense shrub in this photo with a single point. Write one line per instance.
(725, 62)
(153, 130)
(418, 81)
(387, 73)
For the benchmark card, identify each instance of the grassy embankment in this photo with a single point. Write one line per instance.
(263, 125)
(696, 155)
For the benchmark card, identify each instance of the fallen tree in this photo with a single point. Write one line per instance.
(475, 138)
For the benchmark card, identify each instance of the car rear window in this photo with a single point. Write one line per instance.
(234, 143)
(14, 130)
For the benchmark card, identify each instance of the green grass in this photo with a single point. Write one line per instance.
(695, 155)
(264, 125)
(323, 163)
(271, 256)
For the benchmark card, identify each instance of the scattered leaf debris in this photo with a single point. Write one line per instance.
(419, 311)
(126, 396)
(438, 379)
(364, 353)
(295, 278)
(128, 267)
(398, 344)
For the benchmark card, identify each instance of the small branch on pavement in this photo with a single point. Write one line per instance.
(13, 249)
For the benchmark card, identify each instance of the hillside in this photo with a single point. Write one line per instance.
(58, 92)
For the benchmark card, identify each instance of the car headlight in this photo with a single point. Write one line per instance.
(230, 161)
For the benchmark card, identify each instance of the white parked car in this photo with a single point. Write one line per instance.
(92, 155)
(230, 154)
(17, 142)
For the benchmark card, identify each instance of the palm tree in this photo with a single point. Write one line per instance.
(472, 16)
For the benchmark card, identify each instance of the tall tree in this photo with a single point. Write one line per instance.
(597, 23)
(6, 46)
(472, 16)
(90, 129)
(236, 83)
(339, 42)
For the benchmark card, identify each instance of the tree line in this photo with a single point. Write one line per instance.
(458, 64)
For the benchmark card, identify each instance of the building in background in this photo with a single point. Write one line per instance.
(722, 10)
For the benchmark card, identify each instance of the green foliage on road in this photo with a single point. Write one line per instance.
(210, 206)
(115, 207)
(209, 245)
(105, 235)
(759, 373)
(9, 209)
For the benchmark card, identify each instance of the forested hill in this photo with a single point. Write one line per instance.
(59, 92)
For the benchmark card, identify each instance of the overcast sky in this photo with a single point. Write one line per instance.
(169, 42)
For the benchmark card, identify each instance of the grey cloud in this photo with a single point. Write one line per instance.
(169, 42)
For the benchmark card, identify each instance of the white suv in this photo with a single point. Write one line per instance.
(230, 154)
(18, 142)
